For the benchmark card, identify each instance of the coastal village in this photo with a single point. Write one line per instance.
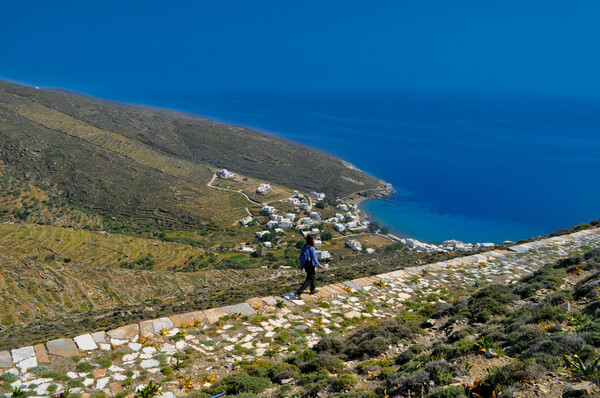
(341, 221)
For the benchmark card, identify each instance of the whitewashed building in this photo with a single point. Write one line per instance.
(322, 254)
(226, 174)
(263, 189)
(268, 209)
(246, 220)
(305, 206)
(354, 245)
(315, 216)
(285, 224)
(343, 207)
(339, 227)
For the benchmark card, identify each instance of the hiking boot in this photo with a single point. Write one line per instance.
(314, 291)
(298, 294)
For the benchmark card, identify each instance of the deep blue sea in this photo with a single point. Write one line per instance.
(473, 167)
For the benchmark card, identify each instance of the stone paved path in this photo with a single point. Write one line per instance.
(210, 341)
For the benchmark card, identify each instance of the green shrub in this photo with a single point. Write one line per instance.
(544, 278)
(304, 360)
(104, 362)
(84, 367)
(410, 353)
(313, 378)
(329, 362)
(507, 376)
(375, 366)
(330, 345)
(9, 378)
(487, 302)
(282, 371)
(258, 368)
(74, 383)
(461, 334)
(462, 347)
(241, 383)
(344, 382)
(441, 372)
(52, 374)
(368, 348)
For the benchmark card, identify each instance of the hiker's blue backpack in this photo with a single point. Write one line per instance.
(304, 255)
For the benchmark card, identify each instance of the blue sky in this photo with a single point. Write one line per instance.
(137, 46)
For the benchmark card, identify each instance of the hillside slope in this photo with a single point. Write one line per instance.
(120, 157)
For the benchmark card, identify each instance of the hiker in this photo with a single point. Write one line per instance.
(308, 261)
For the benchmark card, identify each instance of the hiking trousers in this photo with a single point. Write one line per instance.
(310, 279)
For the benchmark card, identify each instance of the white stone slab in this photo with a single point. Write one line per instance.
(161, 323)
(101, 383)
(86, 342)
(135, 346)
(20, 354)
(149, 363)
(99, 337)
(27, 364)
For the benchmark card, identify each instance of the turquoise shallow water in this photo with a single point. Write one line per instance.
(470, 167)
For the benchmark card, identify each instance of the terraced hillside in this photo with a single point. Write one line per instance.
(22, 201)
(49, 270)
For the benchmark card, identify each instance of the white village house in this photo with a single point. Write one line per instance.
(339, 227)
(354, 244)
(226, 174)
(351, 224)
(268, 209)
(322, 254)
(305, 206)
(343, 207)
(285, 224)
(263, 188)
(246, 220)
(247, 249)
